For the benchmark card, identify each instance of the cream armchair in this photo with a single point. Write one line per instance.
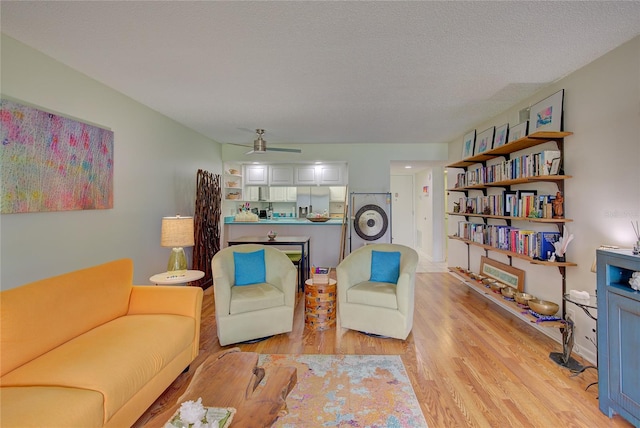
(254, 311)
(376, 307)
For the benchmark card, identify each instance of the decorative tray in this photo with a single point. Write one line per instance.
(318, 219)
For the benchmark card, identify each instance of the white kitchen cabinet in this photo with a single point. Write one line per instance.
(337, 193)
(277, 194)
(252, 193)
(305, 175)
(292, 194)
(331, 175)
(256, 175)
(280, 175)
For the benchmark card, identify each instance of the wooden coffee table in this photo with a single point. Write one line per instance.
(229, 379)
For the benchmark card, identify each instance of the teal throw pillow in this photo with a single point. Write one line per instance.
(249, 268)
(385, 266)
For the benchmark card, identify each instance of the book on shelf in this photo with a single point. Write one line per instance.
(544, 244)
(538, 245)
(525, 166)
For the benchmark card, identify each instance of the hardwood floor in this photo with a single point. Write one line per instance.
(471, 363)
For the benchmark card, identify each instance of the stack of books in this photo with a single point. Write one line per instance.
(320, 275)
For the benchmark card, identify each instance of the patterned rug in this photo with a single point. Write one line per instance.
(348, 391)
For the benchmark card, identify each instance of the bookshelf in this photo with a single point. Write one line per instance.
(515, 169)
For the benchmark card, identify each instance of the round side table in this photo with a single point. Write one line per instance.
(320, 304)
(166, 278)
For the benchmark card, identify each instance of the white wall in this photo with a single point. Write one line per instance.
(155, 166)
(602, 109)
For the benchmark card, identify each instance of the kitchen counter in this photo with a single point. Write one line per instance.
(324, 237)
(286, 221)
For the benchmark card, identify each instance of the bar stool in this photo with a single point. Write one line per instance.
(296, 259)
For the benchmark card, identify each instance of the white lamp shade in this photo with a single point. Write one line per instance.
(177, 232)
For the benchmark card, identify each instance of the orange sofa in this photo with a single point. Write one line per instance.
(89, 349)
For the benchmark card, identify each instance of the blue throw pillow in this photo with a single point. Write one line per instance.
(385, 266)
(249, 268)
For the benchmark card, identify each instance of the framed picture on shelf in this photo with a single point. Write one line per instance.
(555, 167)
(502, 133)
(468, 144)
(512, 277)
(547, 114)
(518, 131)
(510, 202)
(484, 141)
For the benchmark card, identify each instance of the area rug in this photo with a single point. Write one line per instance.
(348, 391)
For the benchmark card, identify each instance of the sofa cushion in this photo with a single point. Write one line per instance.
(66, 306)
(38, 406)
(116, 359)
(382, 294)
(255, 297)
(249, 268)
(385, 266)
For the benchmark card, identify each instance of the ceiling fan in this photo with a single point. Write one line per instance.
(260, 145)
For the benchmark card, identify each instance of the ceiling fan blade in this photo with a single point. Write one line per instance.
(278, 149)
(240, 145)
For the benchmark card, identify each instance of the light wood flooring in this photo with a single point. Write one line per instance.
(471, 363)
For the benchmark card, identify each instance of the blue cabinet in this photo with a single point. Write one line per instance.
(618, 335)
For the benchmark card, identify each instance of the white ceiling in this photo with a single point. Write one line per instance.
(325, 72)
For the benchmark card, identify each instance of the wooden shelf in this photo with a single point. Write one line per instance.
(505, 217)
(506, 183)
(512, 254)
(532, 140)
(499, 299)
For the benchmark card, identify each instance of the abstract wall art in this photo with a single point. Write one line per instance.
(52, 163)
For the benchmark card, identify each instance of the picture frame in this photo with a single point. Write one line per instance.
(468, 144)
(484, 140)
(555, 167)
(510, 202)
(501, 135)
(546, 115)
(518, 131)
(508, 275)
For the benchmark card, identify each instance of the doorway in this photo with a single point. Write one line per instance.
(403, 214)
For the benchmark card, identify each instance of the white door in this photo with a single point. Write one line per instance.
(402, 217)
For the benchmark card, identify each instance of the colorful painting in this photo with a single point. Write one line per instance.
(519, 131)
(468, 144)
(501, 135)
(547, 114)
(52, 163)
(485, 140)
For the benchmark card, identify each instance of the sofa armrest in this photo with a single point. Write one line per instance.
(169, 299)
(166, 299)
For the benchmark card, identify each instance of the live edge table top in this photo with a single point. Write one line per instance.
(229, 379)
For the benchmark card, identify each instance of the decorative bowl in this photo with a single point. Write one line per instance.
(318, 219)
(543, 307)
(508, 292)
(497, 286)
(488, 281)
(523, 298)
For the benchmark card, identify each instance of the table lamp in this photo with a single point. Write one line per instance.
(177, 232)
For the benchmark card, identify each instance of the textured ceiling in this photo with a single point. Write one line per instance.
(325, 72)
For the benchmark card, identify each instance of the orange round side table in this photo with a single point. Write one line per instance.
(320, 304)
